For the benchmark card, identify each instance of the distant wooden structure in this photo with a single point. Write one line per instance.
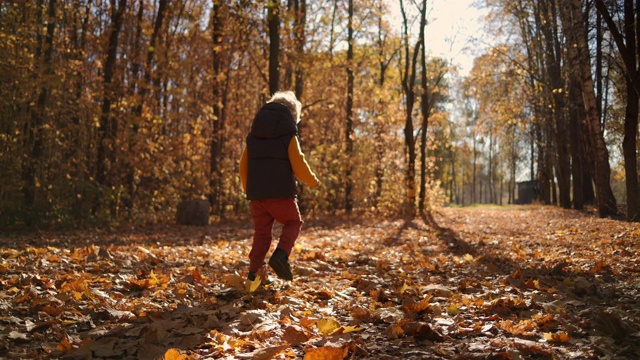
(527, 192)
(193, 212)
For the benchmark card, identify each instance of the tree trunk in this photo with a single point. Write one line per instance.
(575, 129)
(300, 21)
(143, 89)
(474, 175)
(514, 167)
(425, 110)
(31, 174)
(379, 129)
(554, 74)
(491, 165)
(629, 146)
(108, 124)
(273, 23)
(627, 42)
(215, 167)
(544, 175)
(81, 143)
(348, 202)
(573, 18)
(408, 85)
(300, 8)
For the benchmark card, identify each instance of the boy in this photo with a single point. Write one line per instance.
(270, 160)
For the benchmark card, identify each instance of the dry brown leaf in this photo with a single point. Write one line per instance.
(522, 327)
(264, 354)
(48, 289)
(16, 335)
(361, 314)
(295, 335)
(234, 281)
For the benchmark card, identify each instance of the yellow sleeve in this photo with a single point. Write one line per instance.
(299, 164)
(244, 169)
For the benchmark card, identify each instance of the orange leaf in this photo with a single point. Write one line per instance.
(326, 353)
(560, 337)
(414, 307)
(599, 267)
(173, 354)
(396, 330)
(308, 322)
(64, 344)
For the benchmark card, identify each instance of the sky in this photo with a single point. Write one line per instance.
(455, 30)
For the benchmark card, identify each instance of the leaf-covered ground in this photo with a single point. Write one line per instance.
(477, 283)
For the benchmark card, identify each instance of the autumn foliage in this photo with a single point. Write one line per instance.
(510, 283)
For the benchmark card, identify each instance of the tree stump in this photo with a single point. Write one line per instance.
(193, 212)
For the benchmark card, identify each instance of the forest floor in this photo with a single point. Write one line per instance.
(517, 282)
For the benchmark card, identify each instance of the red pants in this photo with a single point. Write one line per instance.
(264, 213)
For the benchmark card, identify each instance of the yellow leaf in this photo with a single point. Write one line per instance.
(251, 286)
(327, 326)
(154, 279)
(453, 310)
(404, 288)
(173, 354)
(468, 257)
(348, 329)
(218, 337)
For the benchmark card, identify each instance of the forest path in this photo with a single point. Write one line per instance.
(515, 282)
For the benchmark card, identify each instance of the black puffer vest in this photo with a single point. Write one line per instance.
(270, 174)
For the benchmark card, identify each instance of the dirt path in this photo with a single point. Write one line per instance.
(478, 283)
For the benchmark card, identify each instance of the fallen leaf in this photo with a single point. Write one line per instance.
(360, 314)
(327, 326)
(295, 335)
(409, 305)
(326, 353)
(263, 354)
(173, 354)
(252, 286)
(16, 335)
(559, 337)
(438, 290)
(234, 281)
(348, 329)
(64, 344)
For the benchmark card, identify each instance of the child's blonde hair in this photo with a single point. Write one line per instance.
(288, 99)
